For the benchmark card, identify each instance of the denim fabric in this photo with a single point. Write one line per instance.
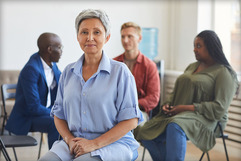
(169, 146)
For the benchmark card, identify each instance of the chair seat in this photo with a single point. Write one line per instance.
(18, 140)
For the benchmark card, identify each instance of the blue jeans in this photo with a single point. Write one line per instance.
(169, 146)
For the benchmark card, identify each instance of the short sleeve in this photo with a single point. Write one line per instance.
(127, 100)
(57, 109)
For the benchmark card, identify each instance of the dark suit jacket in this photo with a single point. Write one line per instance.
(31, 96)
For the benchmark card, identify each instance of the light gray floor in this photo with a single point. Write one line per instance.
(193, 153)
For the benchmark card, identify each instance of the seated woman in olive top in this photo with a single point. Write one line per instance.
(201, 97)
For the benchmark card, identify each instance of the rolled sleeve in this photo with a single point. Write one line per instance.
(129, 113)
(197, 107)
(127, 100)
(57, 109)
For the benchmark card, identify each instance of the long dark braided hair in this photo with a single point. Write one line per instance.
(215, 49)
(214, 46)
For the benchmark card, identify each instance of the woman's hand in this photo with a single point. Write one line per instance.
(81, 146)
(165, 108)
(71, 143)
(173, 110)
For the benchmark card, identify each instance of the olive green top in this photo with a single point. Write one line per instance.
(210, 91)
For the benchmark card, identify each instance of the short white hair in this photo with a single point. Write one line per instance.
(91, 13)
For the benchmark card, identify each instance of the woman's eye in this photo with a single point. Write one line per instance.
(197, 46)
(97, 32)
(84, 32)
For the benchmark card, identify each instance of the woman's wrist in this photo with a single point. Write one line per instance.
(97, 143)
(189, 107)
(67, 139)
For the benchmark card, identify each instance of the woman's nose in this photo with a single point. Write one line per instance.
(90, 37)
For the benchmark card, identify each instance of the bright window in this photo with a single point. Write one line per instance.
(227, 25)
(224, 18)
(235, 57)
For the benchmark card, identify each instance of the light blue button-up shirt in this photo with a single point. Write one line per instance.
(93, 107)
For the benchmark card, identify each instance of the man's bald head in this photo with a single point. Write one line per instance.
(50, 47)
(45, 40)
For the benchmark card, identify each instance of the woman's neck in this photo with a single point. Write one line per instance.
(92, 60)
(203, 66)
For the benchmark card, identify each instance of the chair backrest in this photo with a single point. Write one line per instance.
(8, 77)
(8, 92)
(160, 67)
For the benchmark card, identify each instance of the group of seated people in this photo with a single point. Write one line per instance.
(96, 102)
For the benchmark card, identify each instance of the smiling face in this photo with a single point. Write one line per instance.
(130, 39)
(200, 51)
(91, 36)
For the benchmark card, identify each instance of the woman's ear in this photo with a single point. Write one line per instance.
(107, 38)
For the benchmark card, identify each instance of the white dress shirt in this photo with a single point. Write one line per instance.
(49, 75)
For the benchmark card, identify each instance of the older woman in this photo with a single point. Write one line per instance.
(201, 97)
(96, 106)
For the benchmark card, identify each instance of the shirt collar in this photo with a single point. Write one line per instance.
(45, 65)
(103, 66)
(139, 57)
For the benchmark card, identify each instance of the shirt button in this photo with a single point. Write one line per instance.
(83, 94)
(84, 112)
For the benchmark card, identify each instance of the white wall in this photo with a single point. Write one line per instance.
(182, 30)
(22, 22)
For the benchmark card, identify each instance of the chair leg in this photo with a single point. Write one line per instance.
(202, 156)
(15, 155)
(208, 156)
(4, 151)
(40, 145)
(5, 154)
(14, 152)
(224, 144)
(225, 148)
(143, 154)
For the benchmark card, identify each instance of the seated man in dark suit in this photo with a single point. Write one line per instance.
(36, 90)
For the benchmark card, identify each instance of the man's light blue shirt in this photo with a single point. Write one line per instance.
(93, 107)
